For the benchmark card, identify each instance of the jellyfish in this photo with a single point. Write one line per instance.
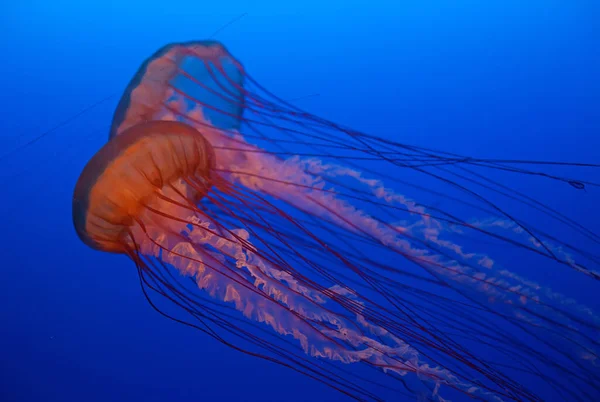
(284, 236)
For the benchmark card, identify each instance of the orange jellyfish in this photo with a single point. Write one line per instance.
(275, 232)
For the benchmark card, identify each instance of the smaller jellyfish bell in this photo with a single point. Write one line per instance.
(192, 79)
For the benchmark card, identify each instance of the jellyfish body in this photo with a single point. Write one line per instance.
(206, 177)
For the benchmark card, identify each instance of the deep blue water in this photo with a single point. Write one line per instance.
(505, 79)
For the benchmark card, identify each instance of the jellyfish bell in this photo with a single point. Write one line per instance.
(296, 251)
(164, 77)
(131, 173)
